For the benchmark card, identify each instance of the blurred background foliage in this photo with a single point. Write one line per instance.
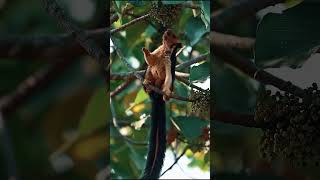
(284, 41)
(132, 105)
(59, 132)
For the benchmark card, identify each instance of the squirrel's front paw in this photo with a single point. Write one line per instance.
(167, 94)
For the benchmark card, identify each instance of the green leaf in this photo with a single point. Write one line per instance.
(292, 3)
(191, 127)
(181, 89)
(200, 72)
(195, 29)
(118, 5)
(288, 39)
(172, 2)
(141, 96)
(96, 114)
(233, 92)
(205, 14)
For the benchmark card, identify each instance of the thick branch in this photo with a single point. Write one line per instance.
(46, 46)
(235, 119)
(249, 68)
(231, 41)
(88, 43)
(32, 84)
(238, 11)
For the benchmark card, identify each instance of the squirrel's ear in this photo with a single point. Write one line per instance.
(145, 51)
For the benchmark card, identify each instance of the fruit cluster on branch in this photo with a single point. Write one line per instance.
(291, 126)
(165, 14)
(201, 103)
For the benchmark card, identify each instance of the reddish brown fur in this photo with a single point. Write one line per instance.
(159, 65)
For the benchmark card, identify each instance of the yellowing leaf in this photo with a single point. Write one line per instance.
(292, 3)
(89, 148)
(96, 114)
(141, 96)
(138, 108)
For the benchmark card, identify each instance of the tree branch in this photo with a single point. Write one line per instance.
(121, 87)
(249, 68)
(186, 82)
(246, 120)
(32, 84)
(88, 43)
(231, 41)
(128, 75)
(192, 61)
(134, 21)
(140, 77)
(238, 11)
(46, 46)
(176, 161)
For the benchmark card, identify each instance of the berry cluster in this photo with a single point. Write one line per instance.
(165, 14)
(291, 126)
(201, 103)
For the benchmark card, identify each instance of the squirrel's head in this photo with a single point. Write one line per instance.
(169, 37)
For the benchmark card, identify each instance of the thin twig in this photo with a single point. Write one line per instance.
(134, 21)
(186, 82)
(176, 161)
(121, 87)
(87, 42)
(192, 61)
(249, 68)
(180, 51)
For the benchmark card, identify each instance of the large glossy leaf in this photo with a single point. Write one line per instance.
(288, 39)
(191, 127)
(96, 114)
(195, 29)
(200, 72)
(205, 14)
(233, 92)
